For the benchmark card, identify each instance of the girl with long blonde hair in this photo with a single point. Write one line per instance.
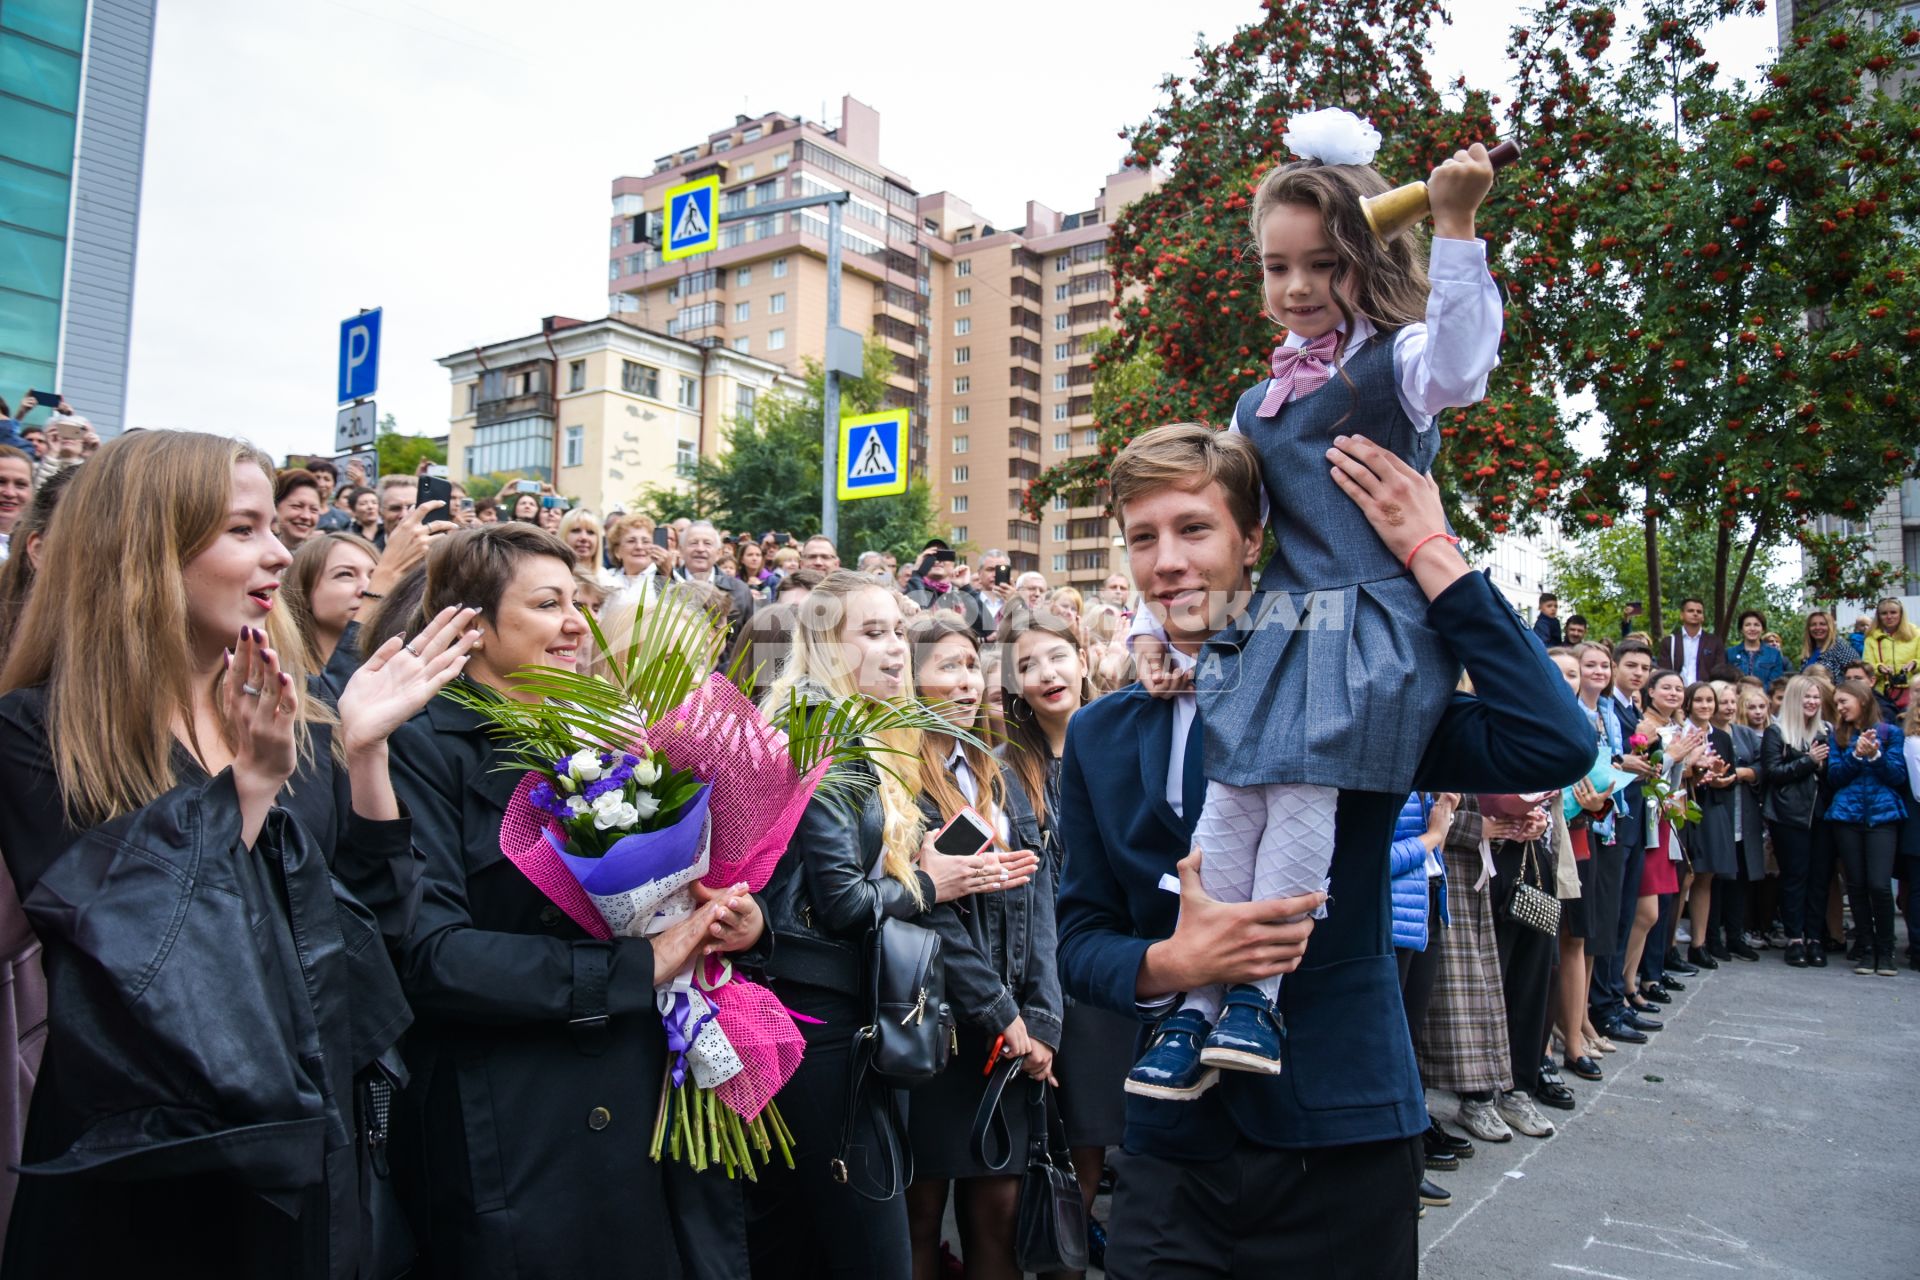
(206, 825)
(848, 867)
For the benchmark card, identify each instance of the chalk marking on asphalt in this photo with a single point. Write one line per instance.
(1660, 1253)
(1786, 1049)
(1640, 1097)
(1784, 1017)
(1718, 1235)
(1639, 1051)
(1763, 1024)
(1589, 1271)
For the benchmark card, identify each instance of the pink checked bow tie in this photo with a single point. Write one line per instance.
(1299, 371)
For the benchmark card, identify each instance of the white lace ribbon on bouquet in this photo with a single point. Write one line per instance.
(651, 908)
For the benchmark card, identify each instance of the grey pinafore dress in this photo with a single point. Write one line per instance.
(1332, 676)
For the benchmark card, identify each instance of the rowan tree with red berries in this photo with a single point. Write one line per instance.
(1727, 269)
(1189, 279)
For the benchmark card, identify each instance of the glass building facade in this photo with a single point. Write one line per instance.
(41, 43)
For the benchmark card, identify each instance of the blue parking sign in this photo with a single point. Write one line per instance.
(691, 223)
(360, 355)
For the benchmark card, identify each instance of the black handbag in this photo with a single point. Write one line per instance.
(1530, 905)
(1050, 1229)
(910, 1030)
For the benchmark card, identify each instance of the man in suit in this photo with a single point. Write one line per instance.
(1693, 651)
(1312, 1172)
(699, 550)
(1607, 995)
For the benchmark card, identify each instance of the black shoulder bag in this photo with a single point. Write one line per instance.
(1050, 1229)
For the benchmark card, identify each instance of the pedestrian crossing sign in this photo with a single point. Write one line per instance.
(873, 455)
(691, 225)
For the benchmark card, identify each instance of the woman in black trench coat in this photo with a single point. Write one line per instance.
(538, 1051)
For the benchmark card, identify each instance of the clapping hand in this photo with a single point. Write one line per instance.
(402, 676)
(1867, 745)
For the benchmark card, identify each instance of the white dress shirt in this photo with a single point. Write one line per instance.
(1689, 656)
(970, 788)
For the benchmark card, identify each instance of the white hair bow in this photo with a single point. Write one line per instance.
(1333, 136)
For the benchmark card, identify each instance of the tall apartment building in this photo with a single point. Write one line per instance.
(990, 329)
(73, 124)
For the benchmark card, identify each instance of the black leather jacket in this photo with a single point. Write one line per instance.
(820, 903)
(1792, 780)
(999, 948)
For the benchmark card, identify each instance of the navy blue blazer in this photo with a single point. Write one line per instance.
(1349, 1071)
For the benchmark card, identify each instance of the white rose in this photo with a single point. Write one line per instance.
(644, 807)
(646, 773)
(577, 806)
(611, 811)
(585, 766)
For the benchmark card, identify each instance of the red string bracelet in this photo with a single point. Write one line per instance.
(1445, 537)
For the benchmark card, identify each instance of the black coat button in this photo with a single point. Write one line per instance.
(599, 1118)
(549, 916)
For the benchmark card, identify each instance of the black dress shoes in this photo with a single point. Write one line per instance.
(1584, 1067)
(1557, 1096)
(1676, 963)
(1438, 1138)
(1816, 956)
(1737, 947)
(1656, 993)
(1434, 1194)
(1671, 983)
(1700, 959)
(1640, 1022)
(1623, 1033)
(1797, 954)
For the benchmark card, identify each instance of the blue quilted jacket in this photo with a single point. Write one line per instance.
(1869, 792)
(1409, 867)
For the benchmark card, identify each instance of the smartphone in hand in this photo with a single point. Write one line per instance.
(966, 835)
(439, 489)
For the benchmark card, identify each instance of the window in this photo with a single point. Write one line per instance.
(745, 168)
(962, 384)
(961, 413)
(1059, 564)
(962, 297)
(640, 379)
(1063, 440)
(1092, 436)
(687, 319)
(1059, 533)
(1059, 502)
(960, 444)
(1060, 350)
(779, 268)
(964, 267)
(752, 134)
(575, 445)
(959, 507)
(780, 160)
(743, 277)
(613, 269)
(725, 144)
(962, 327)
(689, 396)
(473, 396)
(1060, 412)
(743, 345)
(519, 444)
(959, 533)
(1060, 293)
(686, 457)
(1060, 322)
(959, 475)
(963, 355)
(1061, 263)
(1059, 382)
(777, 304)
(742, 312)
(615, 241)
(576, 375)
(776, 340)
(743, 398)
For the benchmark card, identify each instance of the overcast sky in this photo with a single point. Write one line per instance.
(450, 160)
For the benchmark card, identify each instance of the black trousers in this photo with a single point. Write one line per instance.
(1418, 969)
(801, 1223)
(1607, 996)
(1329, 1213)
(1866, 853)
(1805, 855)
(1727, 903)
(1527, 957)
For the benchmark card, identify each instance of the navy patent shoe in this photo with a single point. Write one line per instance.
(1171, 1069)
(1247, 1035)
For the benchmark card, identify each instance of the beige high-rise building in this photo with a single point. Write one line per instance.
(990, 328)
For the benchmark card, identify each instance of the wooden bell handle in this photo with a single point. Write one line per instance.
(1504, 154)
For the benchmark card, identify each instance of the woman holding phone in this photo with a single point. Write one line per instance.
(847, 867)
(1001, 975)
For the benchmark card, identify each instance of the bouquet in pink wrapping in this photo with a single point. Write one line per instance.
(645, 779)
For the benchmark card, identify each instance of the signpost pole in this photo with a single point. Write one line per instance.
(830, 398)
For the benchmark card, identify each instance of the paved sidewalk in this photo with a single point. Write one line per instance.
(1768, 1131)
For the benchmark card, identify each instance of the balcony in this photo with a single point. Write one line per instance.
(537, 404)
(1023, 441)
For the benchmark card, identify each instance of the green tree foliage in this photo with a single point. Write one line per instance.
(400, 454)
(768, 476)
(1190, 282)
(1599, 570)
(1727, 268)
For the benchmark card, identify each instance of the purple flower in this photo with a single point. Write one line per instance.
(597, 789)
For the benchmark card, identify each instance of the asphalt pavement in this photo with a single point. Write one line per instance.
(1769, 1131)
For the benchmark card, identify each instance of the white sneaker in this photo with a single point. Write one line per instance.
(1682, 934)
(1482, 1120)
(1517, 1109)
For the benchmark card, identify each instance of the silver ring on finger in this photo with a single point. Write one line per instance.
(252, 691)
(408, 646)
